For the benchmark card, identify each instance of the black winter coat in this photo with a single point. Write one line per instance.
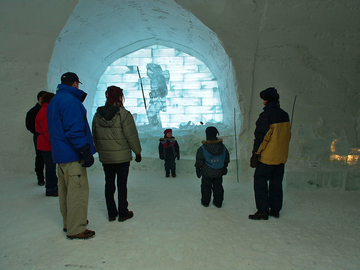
(169, 148)
(214, 147)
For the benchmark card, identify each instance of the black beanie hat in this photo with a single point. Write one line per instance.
(270, 94)
(211, 133)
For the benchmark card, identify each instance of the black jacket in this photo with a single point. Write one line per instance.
(30, 118)
(169, 148)
(272, 135)
(214, 147)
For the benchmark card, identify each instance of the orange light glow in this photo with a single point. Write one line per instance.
(351, 159)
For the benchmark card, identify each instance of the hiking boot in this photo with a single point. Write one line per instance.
(259, 215)
(173, 175)
(205, 204)
(167, 175)
(65, 229)
(112, 219)
(274, 214)
(53, 195)
(128, 216)
(41, 182)
(83, 235)
(218, 205)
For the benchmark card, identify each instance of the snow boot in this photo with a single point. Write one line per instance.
(274, 214)
(259, 215)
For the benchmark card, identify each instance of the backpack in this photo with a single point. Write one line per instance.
(213, 161)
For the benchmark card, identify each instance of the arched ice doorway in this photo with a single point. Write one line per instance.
(163, 88)
(100, 32)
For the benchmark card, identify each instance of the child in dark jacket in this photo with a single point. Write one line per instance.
(168, 151)
(212, 159)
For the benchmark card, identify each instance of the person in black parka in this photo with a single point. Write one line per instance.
(212, 159)
(30, 125)
(168, 151)
(269, 155)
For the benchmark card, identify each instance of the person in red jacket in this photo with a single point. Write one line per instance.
(43, 145)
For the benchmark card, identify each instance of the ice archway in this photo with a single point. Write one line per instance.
(175, 88)
(98, 34)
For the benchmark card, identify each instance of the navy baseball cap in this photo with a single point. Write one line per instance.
(69, 77)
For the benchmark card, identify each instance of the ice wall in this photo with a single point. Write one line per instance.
(309, 49)
(189, 92)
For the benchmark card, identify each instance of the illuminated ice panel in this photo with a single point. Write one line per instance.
(191, 92)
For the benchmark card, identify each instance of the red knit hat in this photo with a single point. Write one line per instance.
(169, 130)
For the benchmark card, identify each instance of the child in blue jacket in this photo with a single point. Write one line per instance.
(212, 159)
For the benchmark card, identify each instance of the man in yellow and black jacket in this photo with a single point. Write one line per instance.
(269, 155)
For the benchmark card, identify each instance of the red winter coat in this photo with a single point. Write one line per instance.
(41, 127)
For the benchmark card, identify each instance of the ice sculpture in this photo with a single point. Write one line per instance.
(158, 92)
(176, 88)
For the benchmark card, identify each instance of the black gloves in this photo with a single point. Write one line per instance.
(85, 154)
(178, 156)
(162, 156)
(198, 172)
(225, 171)
(138, 158)
(254, 160)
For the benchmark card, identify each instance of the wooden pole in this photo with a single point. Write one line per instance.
(142, 89)
(292, 113)
(236, 156)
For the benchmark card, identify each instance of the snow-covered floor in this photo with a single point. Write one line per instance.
(172, 230)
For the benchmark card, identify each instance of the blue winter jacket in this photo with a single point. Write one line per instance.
(68, 126)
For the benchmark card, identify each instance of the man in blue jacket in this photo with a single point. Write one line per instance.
(269, 155)
(72, 149)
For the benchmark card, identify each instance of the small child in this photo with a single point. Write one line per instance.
(168, 151)
(212, 159)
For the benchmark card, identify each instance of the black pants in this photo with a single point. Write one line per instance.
(268, 195)
(170, 166)
(51, 183)
(39, 163)
(212, 185)
(120, 172)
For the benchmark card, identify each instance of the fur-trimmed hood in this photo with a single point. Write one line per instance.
(214, 147)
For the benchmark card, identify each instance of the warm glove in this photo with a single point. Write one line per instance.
(198, 172)
(138, 158)
(162, 156)
(178, 156)
(85, 154)
(254, 160)
(225, 170)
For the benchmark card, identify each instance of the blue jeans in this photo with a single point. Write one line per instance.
(51, 181)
